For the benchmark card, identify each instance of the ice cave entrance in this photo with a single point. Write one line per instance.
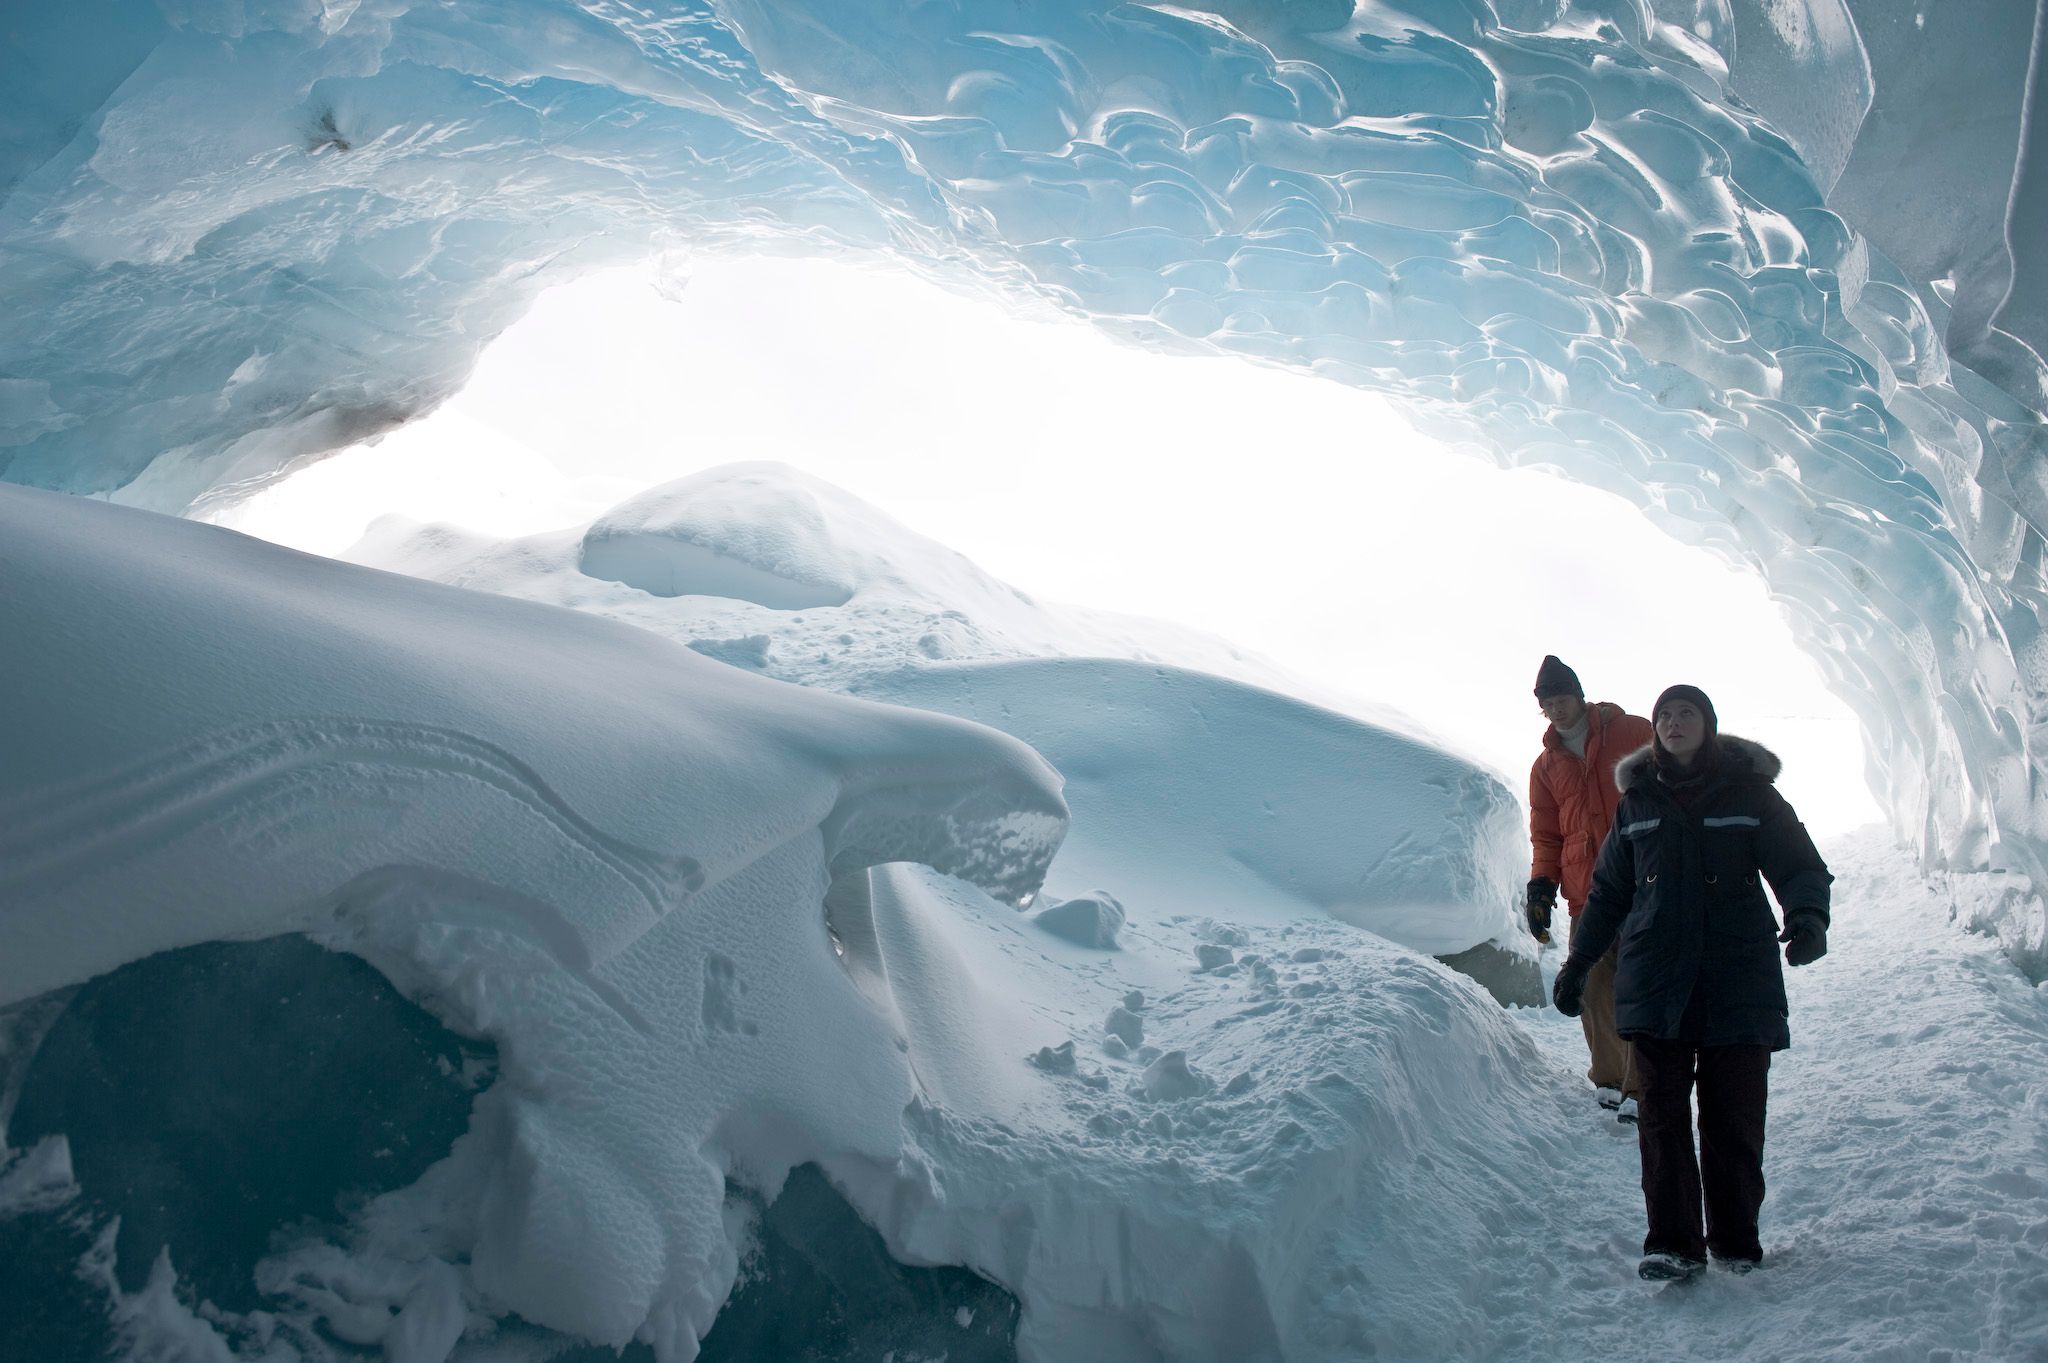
(1292, 516)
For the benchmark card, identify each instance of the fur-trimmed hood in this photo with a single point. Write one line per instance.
(1740, 758)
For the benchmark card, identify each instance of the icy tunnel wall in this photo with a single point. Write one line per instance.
(1592, 234)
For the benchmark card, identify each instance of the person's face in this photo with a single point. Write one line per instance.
(1681, 728)
(1563, 711)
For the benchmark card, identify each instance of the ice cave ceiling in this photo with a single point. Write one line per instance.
(1771, 268)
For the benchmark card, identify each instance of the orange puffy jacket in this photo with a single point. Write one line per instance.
(1572, 798)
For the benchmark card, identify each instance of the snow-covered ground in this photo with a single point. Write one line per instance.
(1188, 1083)
(1908, 1155)
(716, 925)
(1907, 1158)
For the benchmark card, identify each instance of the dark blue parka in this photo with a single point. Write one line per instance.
(1680, 886)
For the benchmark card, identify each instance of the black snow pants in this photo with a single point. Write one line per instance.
(1727, 1177)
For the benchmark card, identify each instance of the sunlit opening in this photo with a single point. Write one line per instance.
(1296, 518)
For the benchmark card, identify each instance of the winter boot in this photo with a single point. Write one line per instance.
(1607, 1096)
(1664, 1266)
(1625, 1113)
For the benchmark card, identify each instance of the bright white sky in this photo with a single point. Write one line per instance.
(1288, 514)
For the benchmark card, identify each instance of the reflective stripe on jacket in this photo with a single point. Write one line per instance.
(1683, 889)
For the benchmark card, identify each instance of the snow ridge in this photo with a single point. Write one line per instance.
(273, 784)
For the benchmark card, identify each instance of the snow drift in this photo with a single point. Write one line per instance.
(216, 742)
(1193, 792)
(697, 928)
(499, 804)
(1205, 796)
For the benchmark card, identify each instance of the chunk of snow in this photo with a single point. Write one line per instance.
(1090, 920)
(38, 1179)
(751, 651)
(1169, 1078)
(1055, 1059)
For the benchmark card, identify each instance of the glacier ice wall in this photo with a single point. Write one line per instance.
(1941, 180)
(1588, 234)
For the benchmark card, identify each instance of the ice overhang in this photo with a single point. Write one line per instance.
(1748, 262)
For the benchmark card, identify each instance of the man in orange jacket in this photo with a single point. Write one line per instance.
(1572, 797)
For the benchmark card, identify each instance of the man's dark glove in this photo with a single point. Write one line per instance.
(1805, 937)
(1542, 899)
(1570, 986)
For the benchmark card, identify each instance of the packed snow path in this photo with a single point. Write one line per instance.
(1908, 1164)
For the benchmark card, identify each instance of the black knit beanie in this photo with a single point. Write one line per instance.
(1699, 700)
(1555, 679)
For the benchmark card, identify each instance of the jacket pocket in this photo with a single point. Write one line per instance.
(1647, 843)
(1728, 855)
(1736, 908)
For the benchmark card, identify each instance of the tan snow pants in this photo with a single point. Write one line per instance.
(1614, 1060)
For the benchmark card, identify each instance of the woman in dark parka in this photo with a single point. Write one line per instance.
(1697, 989)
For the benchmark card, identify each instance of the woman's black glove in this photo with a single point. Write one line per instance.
(1570, 986)
(1541, 900)
(1805, 937)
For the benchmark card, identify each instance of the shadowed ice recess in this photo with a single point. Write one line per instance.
(295, 1089)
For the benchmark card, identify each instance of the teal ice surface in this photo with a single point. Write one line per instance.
(1568, 230)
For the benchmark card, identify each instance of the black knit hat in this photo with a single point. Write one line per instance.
(1555, 679)
(1697, 697)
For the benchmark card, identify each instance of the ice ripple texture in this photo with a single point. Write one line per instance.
(252, 233)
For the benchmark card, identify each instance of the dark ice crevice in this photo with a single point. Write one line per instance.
(219, 1095)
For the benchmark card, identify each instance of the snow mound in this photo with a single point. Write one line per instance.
(741, 531)
(732, 940)
(1184, 1192)
(1194, 794)
(714, 926)
(896, 593)
(299, 724)
(607, 854)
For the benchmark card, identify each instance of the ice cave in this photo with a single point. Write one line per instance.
(737, 926)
